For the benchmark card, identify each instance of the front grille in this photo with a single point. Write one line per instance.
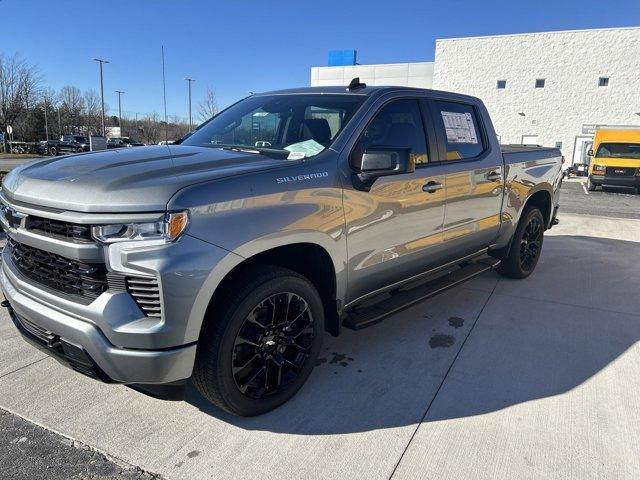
(621, 171)
(57, 272)
(146, 292)
(59, 229)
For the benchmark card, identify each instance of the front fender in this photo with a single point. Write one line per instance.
(251, 214)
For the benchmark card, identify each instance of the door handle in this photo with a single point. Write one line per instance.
(494, 176)
(431, 187)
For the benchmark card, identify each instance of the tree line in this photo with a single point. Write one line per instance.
(37, 112)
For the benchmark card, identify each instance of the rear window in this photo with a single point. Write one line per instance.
(458, 123)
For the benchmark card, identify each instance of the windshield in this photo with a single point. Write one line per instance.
(618, 150)
(282, 126)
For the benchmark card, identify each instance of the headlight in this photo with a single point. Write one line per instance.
(166, 230)
(598, 168)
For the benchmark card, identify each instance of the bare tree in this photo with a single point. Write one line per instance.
(50, 111)
(209, 106)
(19, 87)
(92, 112)
(149, 128)
(71, 108)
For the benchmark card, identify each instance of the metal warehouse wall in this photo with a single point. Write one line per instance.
(404, 74)
(571, 63)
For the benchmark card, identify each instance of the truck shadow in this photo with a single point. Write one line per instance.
(477, 349)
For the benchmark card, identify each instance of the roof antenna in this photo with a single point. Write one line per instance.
(356, 84)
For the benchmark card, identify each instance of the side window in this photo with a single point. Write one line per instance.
(458, 123)
(398, 124)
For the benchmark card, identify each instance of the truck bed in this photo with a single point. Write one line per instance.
(523, 153)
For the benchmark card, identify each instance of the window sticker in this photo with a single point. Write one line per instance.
(459, 127)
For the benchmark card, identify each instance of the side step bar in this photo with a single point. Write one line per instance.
(365, 316)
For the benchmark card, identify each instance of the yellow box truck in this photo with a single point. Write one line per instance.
(616, 159)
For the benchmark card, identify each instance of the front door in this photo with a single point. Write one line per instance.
(474, 178)
(394, 230)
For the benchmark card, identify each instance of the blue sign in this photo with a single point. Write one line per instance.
(340, 58)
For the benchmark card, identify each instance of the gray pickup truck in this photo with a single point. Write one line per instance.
(224, 259)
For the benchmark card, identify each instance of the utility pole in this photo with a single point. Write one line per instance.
(190, 80)
(164, 96)
(120, 92)
(46, 121)
(101, 62)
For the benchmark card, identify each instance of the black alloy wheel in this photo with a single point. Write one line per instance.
(260, 340)
(526, 245)
(530, 243)
(272, 345)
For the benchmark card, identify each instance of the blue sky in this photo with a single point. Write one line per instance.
(241, 46)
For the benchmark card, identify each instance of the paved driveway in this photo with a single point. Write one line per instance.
(497, 378)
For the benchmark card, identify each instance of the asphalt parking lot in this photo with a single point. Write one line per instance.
(610, 202)
(497, 378)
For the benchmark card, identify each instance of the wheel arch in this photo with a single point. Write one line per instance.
(310, 260)
(542, 199)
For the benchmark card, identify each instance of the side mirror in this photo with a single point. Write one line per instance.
(379, 162)
(590, 153)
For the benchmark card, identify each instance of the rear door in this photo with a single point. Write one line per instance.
(474, 174)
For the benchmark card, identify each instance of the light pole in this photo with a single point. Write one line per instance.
(46, 121)
(120, 92)
(190, 80)
(101, 61)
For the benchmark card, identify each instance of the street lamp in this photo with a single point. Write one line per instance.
(190, 80)
(102, 61)
(46, 121)
(120, 92)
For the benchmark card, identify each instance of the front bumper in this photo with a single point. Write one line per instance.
(628, 181)
(82, 346)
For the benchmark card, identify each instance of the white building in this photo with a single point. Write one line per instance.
(405, 74)
(551, 88)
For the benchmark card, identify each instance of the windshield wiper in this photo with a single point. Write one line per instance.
(242, 149)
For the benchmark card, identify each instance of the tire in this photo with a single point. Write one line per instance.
(243, 351)
(591, 186)
(79, 150)
(53, 151)
(524, 253)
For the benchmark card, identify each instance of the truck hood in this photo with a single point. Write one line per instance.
(140, 179)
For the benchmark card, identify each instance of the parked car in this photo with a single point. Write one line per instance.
(120, 142)
(66, 144)
(579, 169)
(616, 159)
(222, 262)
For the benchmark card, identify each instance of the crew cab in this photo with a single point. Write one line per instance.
(224, 259)
(616, 159)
